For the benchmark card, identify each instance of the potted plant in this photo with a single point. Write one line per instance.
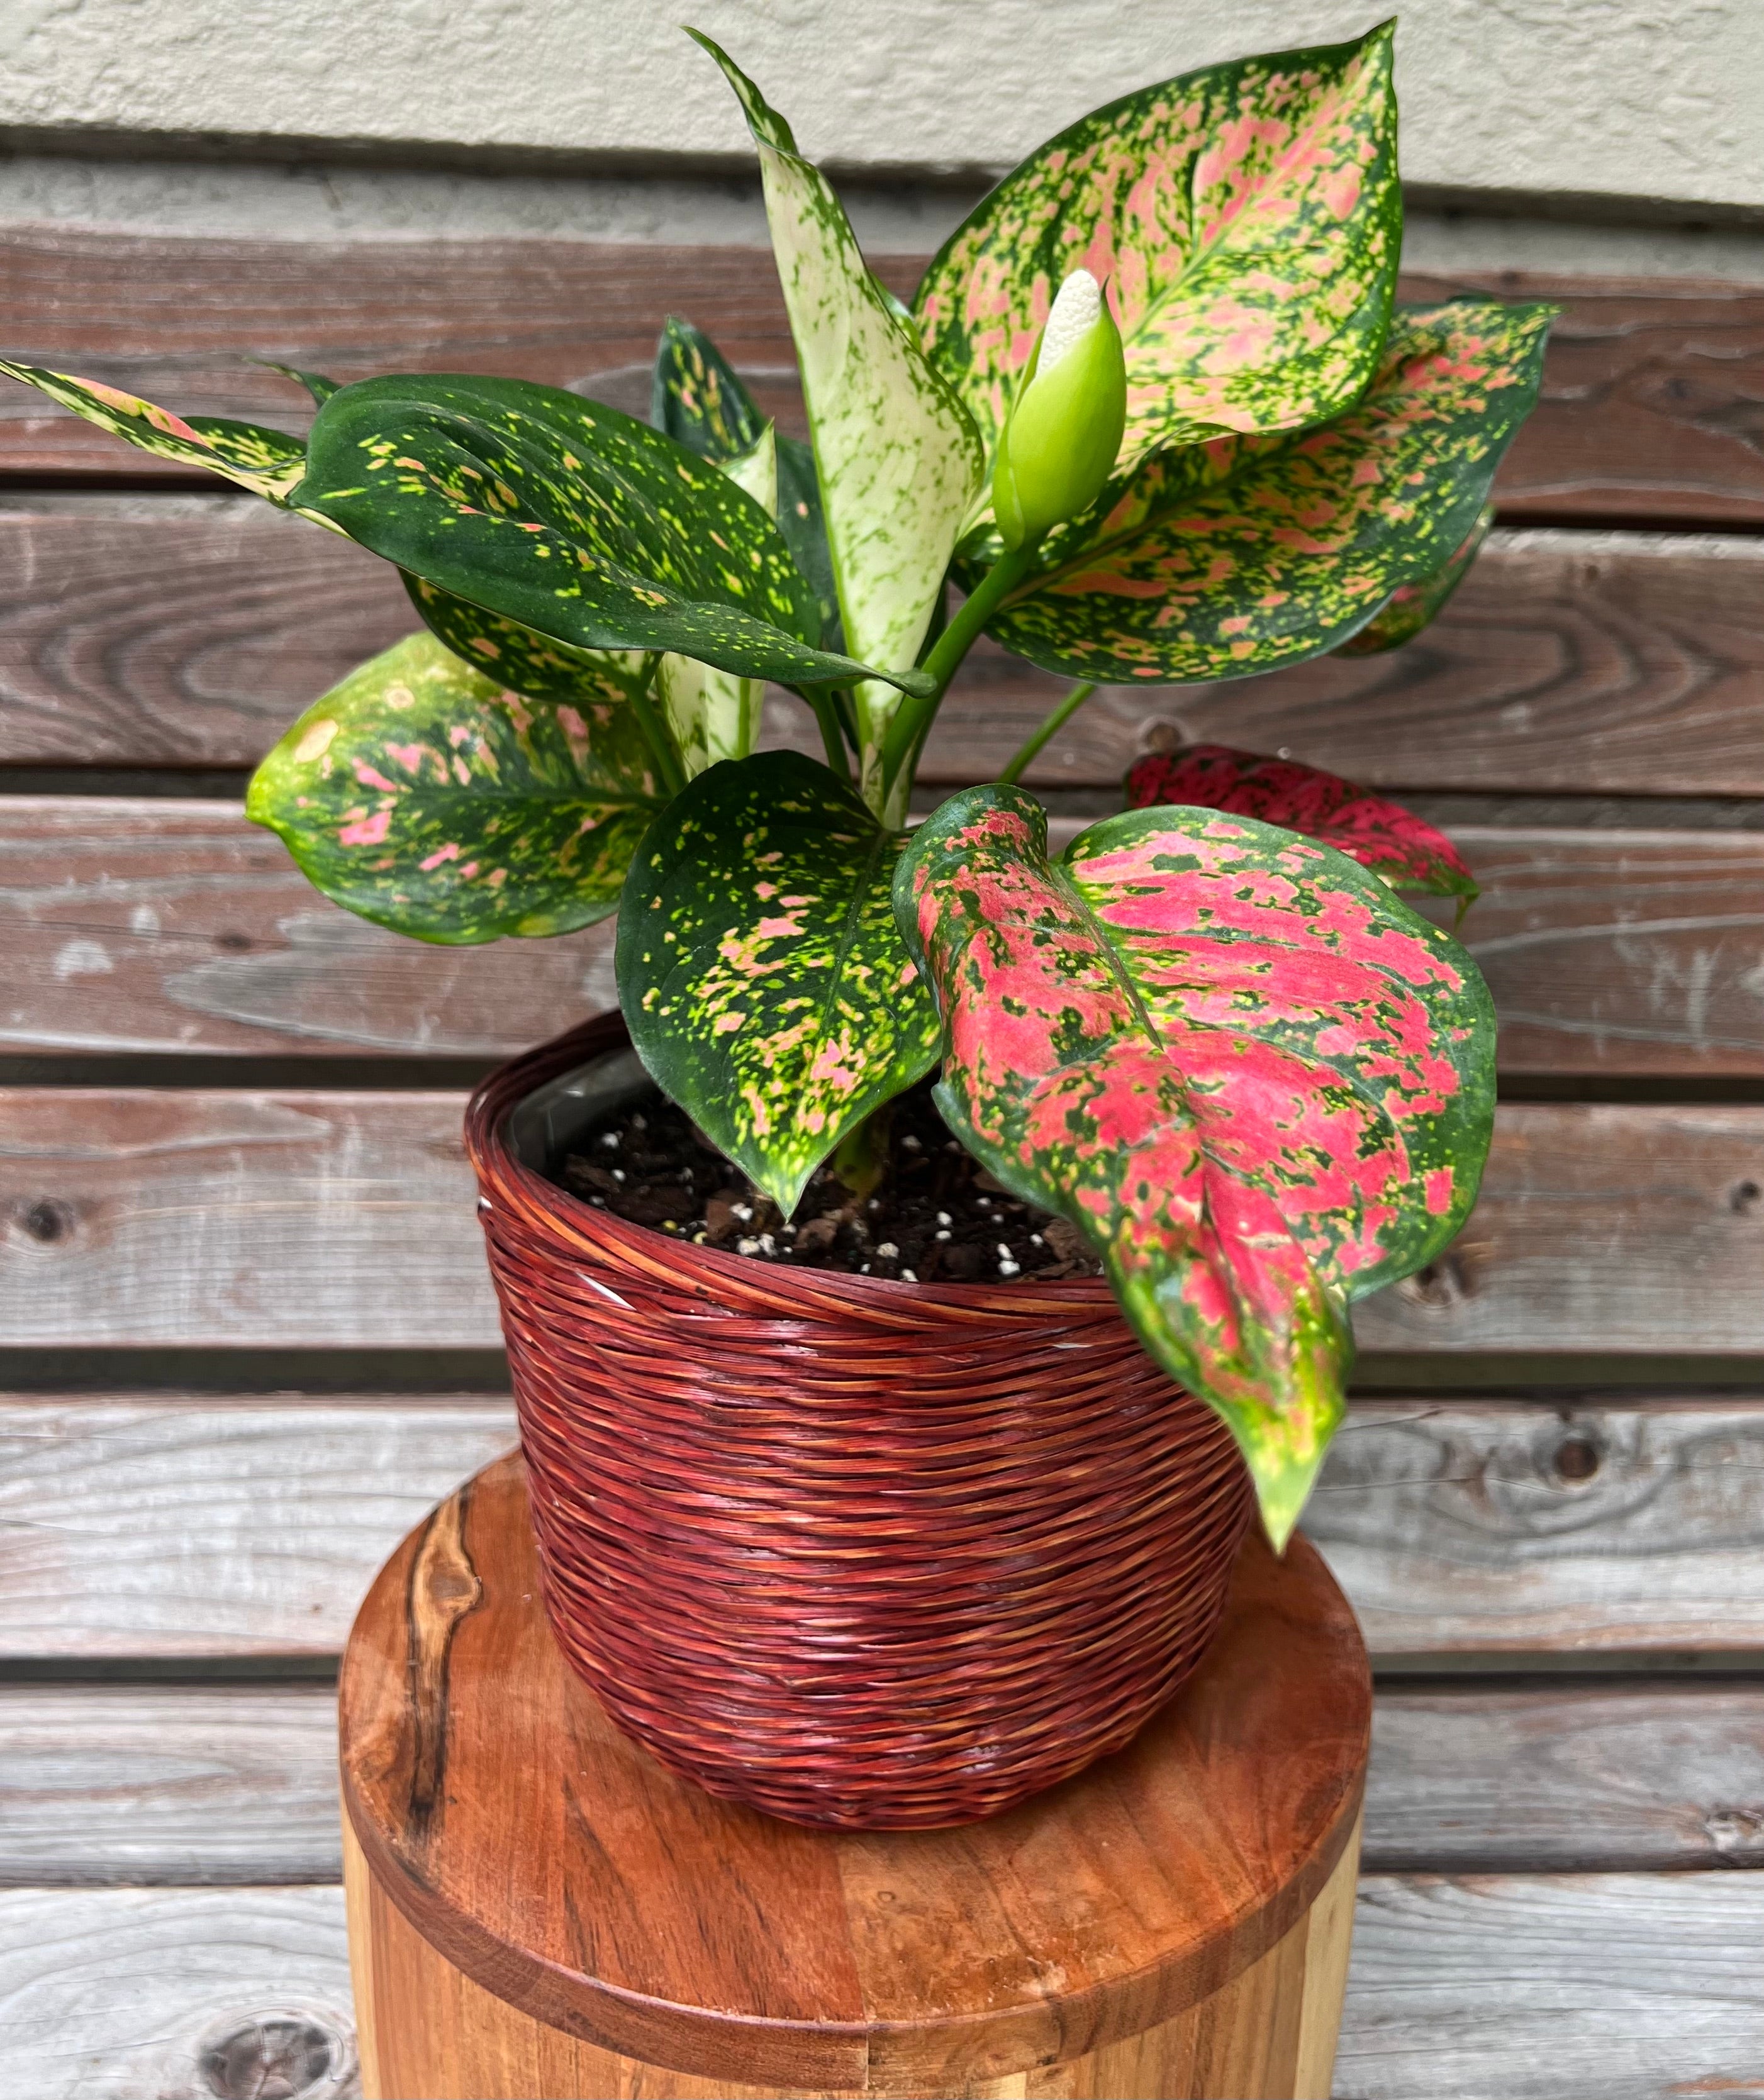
(889, 1449)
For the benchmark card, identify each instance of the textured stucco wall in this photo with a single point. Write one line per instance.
(1652, 99)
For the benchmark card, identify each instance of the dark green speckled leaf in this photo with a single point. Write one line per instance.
(767, 985)
(696, 397)
(568, 517)
(516, 656)
(269, 463)
(1416, 606)
(1238, 555)
(424, 796)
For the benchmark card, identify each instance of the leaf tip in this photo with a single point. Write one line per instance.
(1283, 1487)
(767, 125)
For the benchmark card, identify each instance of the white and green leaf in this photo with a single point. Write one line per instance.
(899, 458)
(715, 714)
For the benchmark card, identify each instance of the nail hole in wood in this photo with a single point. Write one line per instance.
(1163, 733)
(1576, 1458)
(46, 1221)
(1745, 1197)
(280, 2058)
(235, 944)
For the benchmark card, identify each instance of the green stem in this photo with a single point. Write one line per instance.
(914, 715)
(654, 730)
(1050, 728)
(860, 1159)
(826, 708)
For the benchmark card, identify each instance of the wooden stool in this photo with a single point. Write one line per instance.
(538, 1909)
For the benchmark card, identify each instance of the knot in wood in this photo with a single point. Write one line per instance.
(1440, 1286)
(47, 1220)
(278, 2056)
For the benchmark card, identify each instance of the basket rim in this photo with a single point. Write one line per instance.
(496, 1096)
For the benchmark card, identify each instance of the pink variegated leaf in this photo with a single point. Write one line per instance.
(1246, 219)
(1416, 606)
(422, 795)
(1257, 1083)
(1380, 835)
(269, 463)
(1223, 559)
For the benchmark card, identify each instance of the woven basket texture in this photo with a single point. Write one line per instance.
(873, 1555)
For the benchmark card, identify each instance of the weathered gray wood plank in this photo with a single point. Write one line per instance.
(1558, 1986)
(1649, 405)
(202, 1527)
(103, 1784)
(146, 925)
(1513, 1526)
(1625, 663)
(1598, 1227)
(1619, 663)
(110, 1783)
(135, 1217)
(1474, 1779)
(116, 1994)
(150, 925)
(1632, 1987)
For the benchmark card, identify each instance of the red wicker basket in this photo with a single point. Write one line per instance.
(882, 1556)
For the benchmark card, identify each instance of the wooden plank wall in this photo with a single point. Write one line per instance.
(245, 1335)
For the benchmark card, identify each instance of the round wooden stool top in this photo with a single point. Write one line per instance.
(557, 1866)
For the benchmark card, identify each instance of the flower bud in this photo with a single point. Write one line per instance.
(1059, 444)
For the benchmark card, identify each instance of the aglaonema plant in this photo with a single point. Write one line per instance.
(1153, 417)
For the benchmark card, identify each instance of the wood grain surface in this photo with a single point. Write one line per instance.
(169, 926)
(1557, 1986)
(1525, 1986)
(120, 1994)
(132, 1528)
(1508, 1527)
(253, 1527)
(1653, 392)
(1270, 2031)
(1626, 663)
(1649, 405)
(1623, 1776)
(726, 1944)
(179, 319)
(209, 1217)
(103, 1784)
(1612, 662)
(129, 1783)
